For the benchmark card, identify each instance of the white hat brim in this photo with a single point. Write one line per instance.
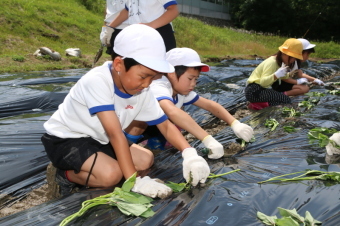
(205, 67)
(157, 65)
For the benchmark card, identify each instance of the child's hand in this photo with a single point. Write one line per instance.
(242, 130)
(152, 188)
(215, 147)
(331, 149)
(319, 82)
(302, 81)
(281, 72)
(194, 166)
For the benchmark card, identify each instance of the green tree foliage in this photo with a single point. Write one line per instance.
(311, 19)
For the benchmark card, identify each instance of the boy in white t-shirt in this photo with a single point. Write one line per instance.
(176, 90)
(85, 139)
(157, 14)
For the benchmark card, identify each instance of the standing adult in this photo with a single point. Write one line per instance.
(113, 8)
(157, 14)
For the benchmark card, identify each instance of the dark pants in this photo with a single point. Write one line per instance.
(256, 93)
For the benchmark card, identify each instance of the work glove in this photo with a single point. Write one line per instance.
(331, 150)
(151, 187)
(282, 71)
(194, 167)
(242, 130)
(215, 147)
(301, 81)
(106, 34)
(319, 82)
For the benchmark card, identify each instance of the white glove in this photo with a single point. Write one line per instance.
(242, 130)
(194, 167)
(215, 147)
(150, 187)
(281, 72)
(319, 82)
(106, 34)
(331, 150)
(301, 81)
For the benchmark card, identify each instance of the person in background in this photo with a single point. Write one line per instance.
(84, 138)
(157, 14)
(301, 78)
(258, 90)
(175, 90)
(113, 8)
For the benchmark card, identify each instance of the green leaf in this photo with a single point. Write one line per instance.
(129, 183)
(286, 221)
(132, 208)
(268, 220)
(291, 213)
(310, 221)
(176, 187)
(132, 196)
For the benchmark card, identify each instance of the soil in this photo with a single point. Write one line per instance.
(46, 192)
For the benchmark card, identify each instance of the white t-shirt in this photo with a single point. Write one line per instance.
(113, 8)
(145, 11)
(162, 89)
(95, 92)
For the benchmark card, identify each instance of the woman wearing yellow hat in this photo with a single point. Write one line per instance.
(258, 91)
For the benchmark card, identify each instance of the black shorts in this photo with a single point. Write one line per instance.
(168, 36)
(71, 153)
(285, 86)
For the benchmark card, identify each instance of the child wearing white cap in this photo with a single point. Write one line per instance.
(157, 14)
(176, 90)
(301, 78)
(84, 138)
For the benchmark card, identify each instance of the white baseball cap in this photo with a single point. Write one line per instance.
(306, 44)
(185, 57)
(145, 45)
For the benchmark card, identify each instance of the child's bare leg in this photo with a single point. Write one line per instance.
(298, 90)
(136, 128)
(105, 173)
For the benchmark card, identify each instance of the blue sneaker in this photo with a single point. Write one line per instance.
(157, 143)
(58, 184)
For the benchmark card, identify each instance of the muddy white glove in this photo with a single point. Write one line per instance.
(215, 147)
(106, 36)
(319, 82)
(194, 167)
(242, 130)
(331, 150)
(281, 72)
(152, 188)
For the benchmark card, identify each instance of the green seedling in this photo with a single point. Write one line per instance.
(306, 104)
(290, 112)
(178, 187)
(321, 135)
(243, 142)
(289, 129)
(289, 217)
(271, 123)
(334, 92)
(306, 175)
(315, 94)
(128, 202)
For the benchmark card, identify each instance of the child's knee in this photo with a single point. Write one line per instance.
(145, 161)
(305, 89)
(110, 178)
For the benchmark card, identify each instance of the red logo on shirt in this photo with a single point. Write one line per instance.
(129, 107)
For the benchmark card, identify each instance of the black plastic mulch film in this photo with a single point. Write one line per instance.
(28, 100)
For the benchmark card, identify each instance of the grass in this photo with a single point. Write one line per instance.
(62, 24)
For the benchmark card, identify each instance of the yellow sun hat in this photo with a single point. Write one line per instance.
(292, 47)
